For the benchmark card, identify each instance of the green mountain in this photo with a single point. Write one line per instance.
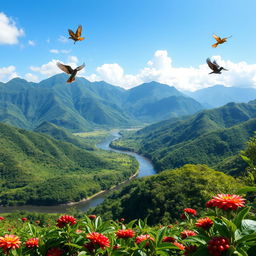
(37, 169)
(206, 137)
(220, 95)
(152, 102)
(84, 105)
(59, 133)
(161, 198)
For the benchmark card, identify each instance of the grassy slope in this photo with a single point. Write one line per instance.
(36, 168)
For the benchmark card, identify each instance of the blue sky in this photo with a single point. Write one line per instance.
(125, 40)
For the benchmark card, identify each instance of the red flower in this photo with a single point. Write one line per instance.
(2, 218)
(185, 233)
(125, 233)
(8, 242)
(141, 238)
(204, 223)
(168, 239)
(190, 249)
(65, 220)
(179, 245)
(98, 239)
(78, 231)
(24, 219)
(37, 221)
(122, 220)
(54, 252)
(226, 202)
(190, 211)
(32, 242)
(217, 245)
(92, 217)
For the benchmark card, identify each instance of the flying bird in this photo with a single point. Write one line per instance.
(76, 36)
(214, 66)
(219, 40)
(67, 69)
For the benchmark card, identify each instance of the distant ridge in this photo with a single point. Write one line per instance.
(85, 105)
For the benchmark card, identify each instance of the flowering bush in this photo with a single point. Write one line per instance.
(222, 231)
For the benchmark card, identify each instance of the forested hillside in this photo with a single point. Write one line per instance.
(37, 169)
(207, 137)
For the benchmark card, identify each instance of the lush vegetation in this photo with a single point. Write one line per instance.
(208, 137)
(88, 105)
(160, 198)
(37, 169)
(229, 229)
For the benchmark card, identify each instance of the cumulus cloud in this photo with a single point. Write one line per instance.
(160, 68)
(9, 33)
(56, 51)
(50, 68)
(31, 43)
(7, 73)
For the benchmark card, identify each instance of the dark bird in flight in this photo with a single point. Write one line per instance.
(219, 40)
(214, 66)
(76, 36)
(67, 69)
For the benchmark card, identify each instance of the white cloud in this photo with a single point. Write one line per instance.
(51, 68)
(62, 39)
(48, 69)
(31, 42)
(56, 51)
(9, 33)
(7, 73)
(159, 68)
(31, 78)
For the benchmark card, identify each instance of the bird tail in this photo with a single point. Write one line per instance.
(215, 45)
(70, 80)
(81, 38)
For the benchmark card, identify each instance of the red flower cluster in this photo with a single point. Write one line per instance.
(54, 252)
(32, 242)
(65, 220)
(98, 239)
(125, 233)
(1, 218)
(8, 242)
(190, 249)
(185, 233)
(24, 219)
(142, 238)
(226, 202)
(217, 245)
(204, 223)
(168, 239)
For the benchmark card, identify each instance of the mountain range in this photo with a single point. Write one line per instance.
(84, 105)
(220, 95)
(207, 137)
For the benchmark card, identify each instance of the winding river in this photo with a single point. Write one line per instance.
(145, 169)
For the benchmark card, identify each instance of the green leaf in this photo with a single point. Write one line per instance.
(74, 245)
(231, 226)
(246, 189)
(160, 235)
(240, 216)
(248, 227)
(247, 238)
(201, 252)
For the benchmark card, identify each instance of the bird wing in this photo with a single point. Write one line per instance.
(225, 38)
(79, 31)
(217, 38)
(80, 67)
(67, 69)
(71, 33)
(210, 64)
(215, 45)
(216, 64)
